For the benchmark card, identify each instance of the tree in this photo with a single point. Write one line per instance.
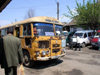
(98, 1)
(29, 14)
(87, 14)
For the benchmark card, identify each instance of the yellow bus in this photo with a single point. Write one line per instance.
(39, 38)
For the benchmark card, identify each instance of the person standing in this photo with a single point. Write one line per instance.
(77, 43)
(12, 54)
(99, 42)
(71, 43)
(1, 49)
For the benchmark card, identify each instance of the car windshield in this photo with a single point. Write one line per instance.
(78, 34)
(43, 29)
(58, 29)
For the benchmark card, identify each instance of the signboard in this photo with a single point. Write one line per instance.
(49, 33)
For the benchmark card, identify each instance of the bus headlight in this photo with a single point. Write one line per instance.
(47, 52)
(43, 53)
(37, 53)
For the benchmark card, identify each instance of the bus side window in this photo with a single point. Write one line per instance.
(17, 31)
(26, 29)
(3, 32)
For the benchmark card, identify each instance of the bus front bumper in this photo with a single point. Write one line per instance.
(51, 57)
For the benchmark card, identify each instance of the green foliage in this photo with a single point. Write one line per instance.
(87, 14)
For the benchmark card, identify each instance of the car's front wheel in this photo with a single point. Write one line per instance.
(83, 45)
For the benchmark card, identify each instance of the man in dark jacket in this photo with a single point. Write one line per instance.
(12, 54)
(1, 49)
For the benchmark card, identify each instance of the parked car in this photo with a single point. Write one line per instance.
(97, 34)
(84, 37)
(94, 41)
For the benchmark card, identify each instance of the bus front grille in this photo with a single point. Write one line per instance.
(43, 44)
(56, 45)
(55, 50)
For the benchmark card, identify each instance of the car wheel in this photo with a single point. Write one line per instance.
(83, 45)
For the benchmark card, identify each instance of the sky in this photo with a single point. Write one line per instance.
(17, 9)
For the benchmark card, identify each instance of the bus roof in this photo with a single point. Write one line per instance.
(34, 19)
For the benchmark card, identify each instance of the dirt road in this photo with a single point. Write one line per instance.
(85, 62)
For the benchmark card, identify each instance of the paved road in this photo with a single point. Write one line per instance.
(85, 62)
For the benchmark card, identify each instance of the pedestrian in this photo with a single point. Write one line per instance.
(99, 42)
(11, 53)
(71, 42)
(77, 43)
(1, 49)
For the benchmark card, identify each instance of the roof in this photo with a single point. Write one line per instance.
(3, 4)
(35, 19)
(72, 23)
(84, 31)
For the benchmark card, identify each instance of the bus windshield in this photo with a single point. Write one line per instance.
(58, 29)
(43, 29)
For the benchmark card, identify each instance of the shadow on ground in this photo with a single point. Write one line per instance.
(72, 72)
(93, 48)
(46, 64)
(75, 72)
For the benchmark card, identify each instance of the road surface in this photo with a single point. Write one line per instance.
(85, 62)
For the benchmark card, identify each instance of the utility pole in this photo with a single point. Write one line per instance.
(97, 1)
(83, 2)
(57, 10)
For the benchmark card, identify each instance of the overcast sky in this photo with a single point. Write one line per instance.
(17, 9)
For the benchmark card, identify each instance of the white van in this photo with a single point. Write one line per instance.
(84, 37)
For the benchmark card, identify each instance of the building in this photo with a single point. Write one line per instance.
(71, 26)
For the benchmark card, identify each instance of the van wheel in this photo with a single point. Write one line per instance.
(83, 45)
(27, 61)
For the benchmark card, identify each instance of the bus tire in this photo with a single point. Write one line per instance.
(27, 61)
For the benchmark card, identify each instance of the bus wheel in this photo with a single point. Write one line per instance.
(27, 61)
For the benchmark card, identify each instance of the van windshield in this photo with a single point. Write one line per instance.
(78, 34)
